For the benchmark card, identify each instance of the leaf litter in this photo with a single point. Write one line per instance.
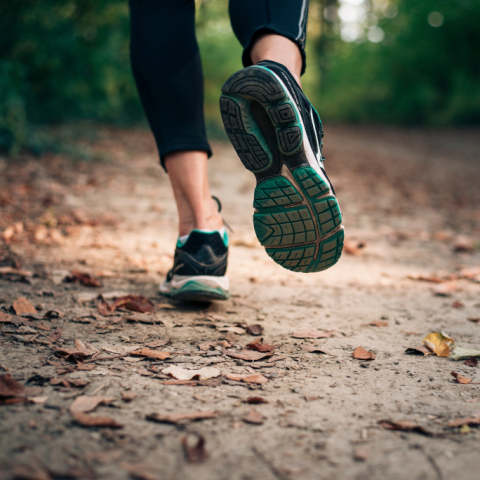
(22, 305)
(194, 448)
(361, 354)
(181, 417)
(260, 346)
(460, 379)
(183, 374)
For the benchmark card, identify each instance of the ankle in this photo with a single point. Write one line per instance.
(206, 218)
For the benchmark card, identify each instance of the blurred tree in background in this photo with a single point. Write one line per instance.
(394, 61)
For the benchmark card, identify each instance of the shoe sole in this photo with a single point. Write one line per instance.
(297, 217)
(195, 291)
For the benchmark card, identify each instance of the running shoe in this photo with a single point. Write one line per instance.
(199, 268)
(278, 136)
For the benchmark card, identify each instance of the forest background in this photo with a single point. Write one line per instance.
(400, 62)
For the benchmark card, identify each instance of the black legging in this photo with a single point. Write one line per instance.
(166, 61)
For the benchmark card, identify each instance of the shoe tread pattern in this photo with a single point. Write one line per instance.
(278, 222)
(258, 84)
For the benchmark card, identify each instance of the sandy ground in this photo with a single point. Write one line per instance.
(411, 197)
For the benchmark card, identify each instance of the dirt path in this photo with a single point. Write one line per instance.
(411, 197)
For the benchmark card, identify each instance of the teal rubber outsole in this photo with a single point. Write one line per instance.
(297, 217)
(197, 292)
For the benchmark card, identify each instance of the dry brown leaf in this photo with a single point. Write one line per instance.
(15, 271)
(421, 350)
(55, 336)
(254, 417)
(255, 329)
(425, 278)
(405, 426)
(445, 289)
(183, 374)
(460, 379)
(191, 383)
(361, 354)
(85, 404)
(260, 346)
(378, 323)
(128, 396)
(9, 387)
(249, 355)
(74, 354)
(93, 421)
(439, 343)
(85, 279)
(207, 346)
(22, 305)
(458, 304)
(310, 349)
(103, 307)
(157, 343)
(473, 320)
(194, 453)
(312, 334)
(141, 471)
(471, 362)
(277, 358)
(30, 472)
(136, 303)
(146, 352)
(181, 417)
(353, 247)
(460, 422)
(256, 400)
(254, 378)
(361, 453)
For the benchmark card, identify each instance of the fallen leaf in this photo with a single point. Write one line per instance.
(463, 245)
(460, 379)
(310, 349)
(260, 346)
(425, 278)
(229, 329)
(85, 279)
(255, 329)
(157, 343)
(459, 353)
(93, 421)
(181, 417)
(439, 343)
(136, 303)
(74, 354)
(378, 323)
(256, 400)
(361, 354)
(254, 378)
(191, 383)
(421, 350)
(22, 305)
(361, 453)
(458, 304)
(353, 247)
(249, 355)
(195, 453)
(312, 334)
(277, 358)
(84, 403)
(146, 352)
(141, 471)
(30, 472)
(183, 374)
(55, 336)
(9, 387)
(15, 271)
(460, 422)
(254, 417)
(207, 346)
(103, 307)
(473, 320)
(144, 318)
(445, 289)
(471, 362)
(405, 426)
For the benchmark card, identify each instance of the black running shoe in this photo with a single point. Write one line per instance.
(278, 136)
(199, 268)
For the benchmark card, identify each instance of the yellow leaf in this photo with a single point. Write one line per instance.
(439, 343)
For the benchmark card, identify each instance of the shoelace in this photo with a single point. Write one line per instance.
(219, 210)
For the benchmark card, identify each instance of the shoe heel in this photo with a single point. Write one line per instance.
(258, 84)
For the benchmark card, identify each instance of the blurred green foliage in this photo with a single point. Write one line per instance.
(63, 61)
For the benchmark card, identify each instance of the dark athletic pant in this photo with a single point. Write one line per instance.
(166, 61)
